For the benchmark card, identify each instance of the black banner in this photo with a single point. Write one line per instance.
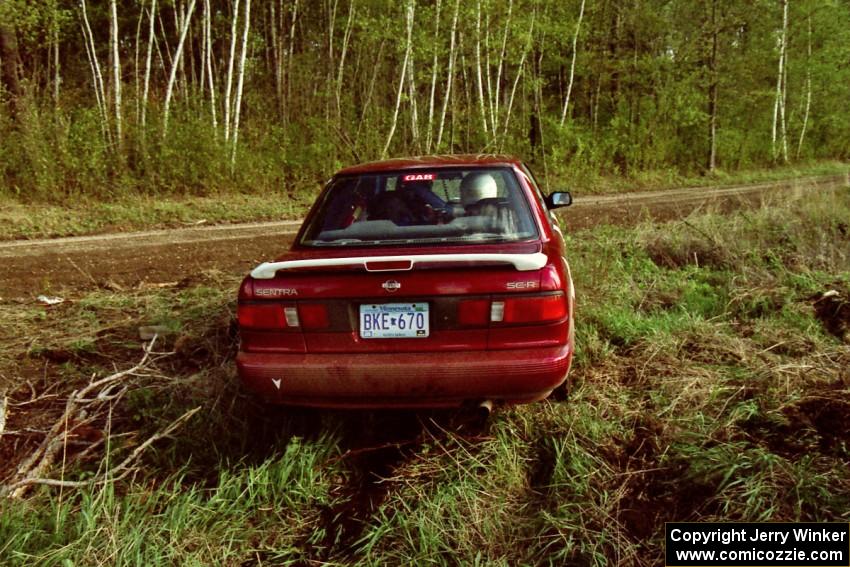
(759, 545)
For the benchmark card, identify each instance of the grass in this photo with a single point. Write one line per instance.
(710, 383)
(590, 182)
(25, 220)
(22, 218)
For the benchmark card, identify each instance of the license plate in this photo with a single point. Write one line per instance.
(394, 320)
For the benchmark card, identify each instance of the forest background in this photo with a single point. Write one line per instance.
(103, 99)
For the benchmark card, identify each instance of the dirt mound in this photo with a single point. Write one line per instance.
(818, 423)
(672, 253)
(655, 492)
(832, 309)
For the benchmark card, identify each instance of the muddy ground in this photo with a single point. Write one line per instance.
(49, 266)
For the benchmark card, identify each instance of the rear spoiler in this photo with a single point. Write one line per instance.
(522, 262)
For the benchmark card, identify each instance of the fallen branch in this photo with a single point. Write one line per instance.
(2, 414)
(122, 470)
(80, 410)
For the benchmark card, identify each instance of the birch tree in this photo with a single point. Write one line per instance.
(497, 97)
(97, 76)
(407, 50)
(277, 52)
(479, 81)
(414, 110)
(169, 90)
(430, 131)
(230, 61)
(290, 52)
(339, 76)
(808, 85)
(116, 69)
(572, 64)
(145, 89)
(712, 91)
(208, 62)
(519, 73)
(779, 100)
(241, 81)
(452, 57)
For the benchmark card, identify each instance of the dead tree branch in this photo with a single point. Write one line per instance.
(17, 489)
(82, 408)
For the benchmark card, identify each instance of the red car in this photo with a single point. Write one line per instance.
(424, 282)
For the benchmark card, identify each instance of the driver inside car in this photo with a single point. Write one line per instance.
(412, 203)
(425, 206)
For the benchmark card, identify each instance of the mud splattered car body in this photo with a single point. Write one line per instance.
(424, 282)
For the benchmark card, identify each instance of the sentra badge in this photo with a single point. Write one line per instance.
(276, 291)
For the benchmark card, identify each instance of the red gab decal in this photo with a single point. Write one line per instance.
(419, 177)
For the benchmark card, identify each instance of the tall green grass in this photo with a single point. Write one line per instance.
(709, 384)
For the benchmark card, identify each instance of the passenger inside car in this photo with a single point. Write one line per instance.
(479, 196)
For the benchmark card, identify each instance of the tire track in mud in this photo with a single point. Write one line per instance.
(34, 267)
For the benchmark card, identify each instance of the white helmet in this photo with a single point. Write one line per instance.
(477, 186)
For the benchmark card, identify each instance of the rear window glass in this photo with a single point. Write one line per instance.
(429, 207)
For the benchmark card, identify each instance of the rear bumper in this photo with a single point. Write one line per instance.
(397, 380)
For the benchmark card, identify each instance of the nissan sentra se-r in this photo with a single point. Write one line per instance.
(423, 282)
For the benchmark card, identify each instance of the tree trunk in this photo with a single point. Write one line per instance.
(208, 62)
(116, 70)
(290, 56)
(781, 144)
(489, 81)
(712, 93)
(229, 81)
(519, 73)
(136, 53)
(174, 67)
(414, 109)
(448, 93)
(407, 50)
(497, 96)
(808, 87)
(57, 75)
(572, 65)
(429, 135)
(97, 76)
(480, 82)
(340, 72)
(240, 83)
(276, 56)
(146, 86)
(782, 123)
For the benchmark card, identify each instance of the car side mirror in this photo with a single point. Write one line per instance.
(558, 199)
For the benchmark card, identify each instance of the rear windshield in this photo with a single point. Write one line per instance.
(428, 207)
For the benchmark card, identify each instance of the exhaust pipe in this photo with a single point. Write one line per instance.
(485, 408)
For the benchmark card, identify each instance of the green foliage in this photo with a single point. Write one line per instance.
(638, 105)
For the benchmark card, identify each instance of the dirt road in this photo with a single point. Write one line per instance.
(52, 266)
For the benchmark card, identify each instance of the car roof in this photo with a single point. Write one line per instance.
(432, 161)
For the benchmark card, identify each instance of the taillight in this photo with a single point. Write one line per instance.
(529, 309)
(313, 316)
(260, 316)
(509, 310)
